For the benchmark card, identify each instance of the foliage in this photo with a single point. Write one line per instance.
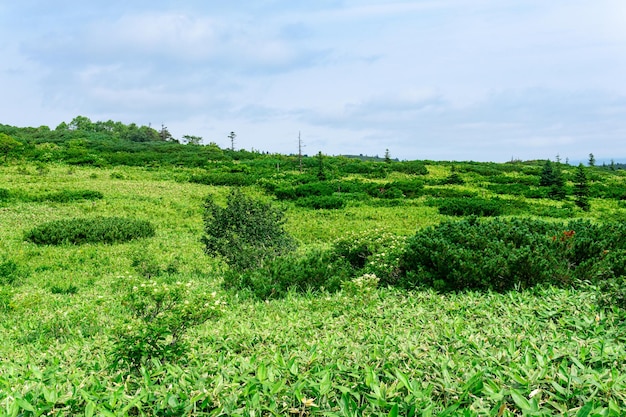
(246, 232)
(66, 196)
(581, 190)
(374, 252)
(552, 178)
(223, 178)
(328, 202)
(79, 231)
(470, 206)
(11, 272)
(160, 315)
(612, 293)
(315, 270)
(516, 253)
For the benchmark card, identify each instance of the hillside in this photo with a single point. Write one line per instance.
(354, 321)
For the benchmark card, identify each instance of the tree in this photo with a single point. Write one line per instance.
(320, 167)
(581, 188)
(551, 176)
(387, 156)
(7, 144)
(232, 137)
(246, 232)
(165, 134)
(592, 160)
(192, 140)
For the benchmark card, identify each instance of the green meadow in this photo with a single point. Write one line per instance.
(364, 350)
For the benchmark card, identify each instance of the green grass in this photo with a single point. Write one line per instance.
(545, 351)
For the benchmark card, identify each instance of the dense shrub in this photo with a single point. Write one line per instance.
(315, 270)
(448, 192)
(90, 230)
(374, 252)
(409, 167)
(470, 207)
(67, 196)
(4, 194)
(503, 254)
(612, 293)
(327, 202)
(11, 272)
(223, 178)
(246, 232)
(409, 188)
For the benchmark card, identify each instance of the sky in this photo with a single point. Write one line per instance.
(480, 80)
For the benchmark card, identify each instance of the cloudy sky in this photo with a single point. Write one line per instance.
(483, 80)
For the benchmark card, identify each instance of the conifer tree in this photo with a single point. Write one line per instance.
(581, 188)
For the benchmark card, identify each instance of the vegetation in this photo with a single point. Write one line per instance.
(388, 306)
(79, 231)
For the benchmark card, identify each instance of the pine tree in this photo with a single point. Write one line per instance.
(581, 188)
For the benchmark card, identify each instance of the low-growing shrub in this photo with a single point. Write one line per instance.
(246, 232)
(504, 254)
(11, 272)
(4, 194)
(78, 231)
(328, 202)
(315, 270)
(448, 192)
(223, 178)
(67, 196)
(470, 207)
(160, 315)
(612, 293)
(374, 252)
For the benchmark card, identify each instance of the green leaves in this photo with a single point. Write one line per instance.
(79, 231)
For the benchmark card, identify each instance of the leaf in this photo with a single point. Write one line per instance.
(585, 410)
(25, 404)
(89, 409)
(394, 411)
(520, 400)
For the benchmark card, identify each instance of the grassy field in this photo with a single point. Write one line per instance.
(545, 351)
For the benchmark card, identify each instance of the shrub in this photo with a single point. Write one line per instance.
(470, 207)
(504, 254)
(447, 192)
(371, 252)
(160, 315)
(223, 178)
(323, 202)
(4, 194)
(66, 196)
(11, 272)
(612, 293)
(79, 231)
(245, 232)
(315, 270)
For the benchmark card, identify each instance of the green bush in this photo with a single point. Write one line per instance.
(373, 252)
(4, 194)
(448, 192)
(67, 196)
(79, 231)
(612, 293)
(328, 202)
(246, 232)
(160, 315)
(11, 272)
(470, 207)
(315, 270)
(504, 254)
(223, 178)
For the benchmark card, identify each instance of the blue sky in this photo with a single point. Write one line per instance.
(482, 80)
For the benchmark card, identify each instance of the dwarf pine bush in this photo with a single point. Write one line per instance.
(502, 254)
(79, 231)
